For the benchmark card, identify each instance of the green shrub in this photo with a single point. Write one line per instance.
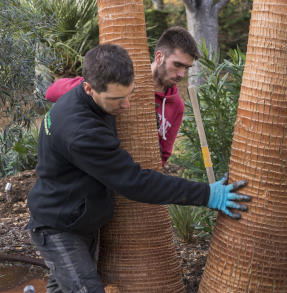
(190, 222)
(18, 150)
(19, 103)
(73, 30)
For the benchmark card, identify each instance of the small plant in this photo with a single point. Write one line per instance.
(191, 222)
(18, 150)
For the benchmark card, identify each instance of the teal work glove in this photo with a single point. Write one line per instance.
(221, 197)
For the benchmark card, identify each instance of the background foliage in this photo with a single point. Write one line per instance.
(18, 150)
(19, 39)
(155, 27)
(233, 23)
(74, 31)
(192, 222)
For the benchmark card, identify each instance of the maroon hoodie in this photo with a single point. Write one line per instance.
(169, 108)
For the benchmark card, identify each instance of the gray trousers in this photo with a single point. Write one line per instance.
(70, 258)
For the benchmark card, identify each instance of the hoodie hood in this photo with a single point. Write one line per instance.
(171, 94)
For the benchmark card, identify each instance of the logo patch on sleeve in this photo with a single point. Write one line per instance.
(47, 122)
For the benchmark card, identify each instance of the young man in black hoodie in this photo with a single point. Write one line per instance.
(81, 165)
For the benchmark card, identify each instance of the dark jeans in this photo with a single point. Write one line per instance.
(70, 258)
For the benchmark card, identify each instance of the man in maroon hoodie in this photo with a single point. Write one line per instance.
(175, 52)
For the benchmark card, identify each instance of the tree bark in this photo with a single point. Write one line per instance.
(202, 23)
(137, 251)
(250, 255)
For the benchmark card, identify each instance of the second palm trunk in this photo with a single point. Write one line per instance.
(250, 255)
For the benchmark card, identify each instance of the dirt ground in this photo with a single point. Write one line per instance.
(16, 243)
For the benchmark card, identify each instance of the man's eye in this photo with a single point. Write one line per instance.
(179, 65)
(115, 99)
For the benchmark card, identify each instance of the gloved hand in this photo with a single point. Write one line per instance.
(222, 198)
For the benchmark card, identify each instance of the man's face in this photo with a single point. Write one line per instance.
(172, 69)
(114, 100)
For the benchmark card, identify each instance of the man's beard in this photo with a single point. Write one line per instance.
(160, 75)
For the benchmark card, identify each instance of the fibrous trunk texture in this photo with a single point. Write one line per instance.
(137, 251)
(250, 255)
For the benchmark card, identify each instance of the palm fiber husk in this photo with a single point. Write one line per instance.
(137, 252)
(250, 255)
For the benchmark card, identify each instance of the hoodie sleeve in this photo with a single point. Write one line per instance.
(105, 160)
(62, 86)
(167, 145)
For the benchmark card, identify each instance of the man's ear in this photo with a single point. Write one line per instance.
(87, 88)
(159, 57)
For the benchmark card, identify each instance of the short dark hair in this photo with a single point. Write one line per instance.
(106, 64)
(177, 37)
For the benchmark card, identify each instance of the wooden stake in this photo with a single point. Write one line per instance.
(201, 133)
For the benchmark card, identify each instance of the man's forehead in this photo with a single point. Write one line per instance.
(179, 56)
(119, 90)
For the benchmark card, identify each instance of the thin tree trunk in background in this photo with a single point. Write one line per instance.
(250, 255)
(202, 23)
(137, 251)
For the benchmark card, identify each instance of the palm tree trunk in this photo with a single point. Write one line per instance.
(137, 251)
(250, 255)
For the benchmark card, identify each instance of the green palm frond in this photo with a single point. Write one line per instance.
(73, 30)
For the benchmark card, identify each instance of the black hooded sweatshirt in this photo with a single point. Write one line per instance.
(81, 165)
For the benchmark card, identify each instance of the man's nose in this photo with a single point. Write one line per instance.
(181, 73)
(125, 103)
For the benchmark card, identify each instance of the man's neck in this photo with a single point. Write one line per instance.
(159, 89)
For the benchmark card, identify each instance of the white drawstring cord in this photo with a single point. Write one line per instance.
(163, 119)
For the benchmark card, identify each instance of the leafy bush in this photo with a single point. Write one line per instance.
(191, 222)
(73, 30)
(18, 150)
(19, 38)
